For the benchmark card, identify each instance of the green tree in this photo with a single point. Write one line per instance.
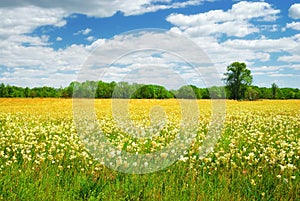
(237, 79)
(10, 91)
(204, 93)
(251, 94)
(26, 92)
(33, 94)
(274, 90)
(122, 90)
(186, 92)
(264, 93)
(197, 91)
(2, 88)
(151, 92)
(217, 92)
(89, 89)
(297, 95)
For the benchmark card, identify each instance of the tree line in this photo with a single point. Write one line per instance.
(100, 89)
(238, 80)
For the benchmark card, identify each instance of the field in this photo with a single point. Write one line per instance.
(42, 157)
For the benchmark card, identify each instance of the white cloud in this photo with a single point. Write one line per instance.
(103, 8)
(128, 52)
(241, 20)
(282, 75)
(144, 6)
(41, 65)
(23, 17)
(90, 38)
(266, 69)
(32, 62)
(290, 59)
(294, 25)
(21, 20)
(38, 64)
(83, 32)
(294, 11)
(234, 22)
(266, 45)
(21, 52)
(271, 28)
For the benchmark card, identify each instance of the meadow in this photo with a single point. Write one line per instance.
(42, 157)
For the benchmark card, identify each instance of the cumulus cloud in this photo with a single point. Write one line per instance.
(22, 20)
(206, 28)
(294, 25)
(234, 22)
(43, 65)
(244, 18)
(290, 58)
(22, 17)
(294, 11)
(83, 32)
(163, 55)
(38, 64)
(266, 45)
(31, 61)
(31, 58)
(103, 8)
(90, 38)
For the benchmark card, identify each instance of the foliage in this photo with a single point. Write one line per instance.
(252, 93)
(237, 79)
(100, 89)
(274, 90)
(187, 92)
(151, 92)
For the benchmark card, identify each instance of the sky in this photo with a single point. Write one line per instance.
(166, 42)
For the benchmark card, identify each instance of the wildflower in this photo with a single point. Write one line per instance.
(164, 155)
(253, 182)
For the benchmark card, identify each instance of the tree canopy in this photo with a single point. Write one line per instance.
(237, 78)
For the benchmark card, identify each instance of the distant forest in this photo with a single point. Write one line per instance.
(100, 89)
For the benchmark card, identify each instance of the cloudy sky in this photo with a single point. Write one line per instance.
(49, 42)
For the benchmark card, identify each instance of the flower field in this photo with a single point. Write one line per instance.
(42, 156)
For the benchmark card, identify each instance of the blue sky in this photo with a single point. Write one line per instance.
(49, 42)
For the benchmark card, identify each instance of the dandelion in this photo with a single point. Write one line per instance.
(164, 155)
(253, 182)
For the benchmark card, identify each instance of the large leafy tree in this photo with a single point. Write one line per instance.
(237, 79)
(274, 88)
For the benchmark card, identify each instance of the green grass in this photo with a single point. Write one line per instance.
(179, 182)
